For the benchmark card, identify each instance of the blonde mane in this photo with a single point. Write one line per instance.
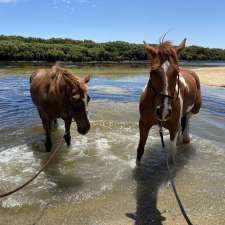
(167, 52)
(69, 78)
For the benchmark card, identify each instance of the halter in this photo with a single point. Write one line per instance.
(165, 95)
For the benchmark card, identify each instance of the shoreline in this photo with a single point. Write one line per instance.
(209, 75)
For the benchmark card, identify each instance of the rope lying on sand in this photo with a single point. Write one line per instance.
(46, 163)
(172, 181)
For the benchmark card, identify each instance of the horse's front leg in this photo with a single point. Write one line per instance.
(144, 131)
(67, 136)
(47, 127)
(173, 144)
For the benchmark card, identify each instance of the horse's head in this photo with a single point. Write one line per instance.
(163, 76)
(79, 99)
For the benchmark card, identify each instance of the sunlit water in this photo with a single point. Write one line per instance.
(103, 160)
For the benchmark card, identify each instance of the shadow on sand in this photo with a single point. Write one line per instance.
(150, 176)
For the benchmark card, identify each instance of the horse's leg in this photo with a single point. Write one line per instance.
(47, 128)
(54, 125)
(186, 136)
(67, 136)
(143, 130)
(173, 144)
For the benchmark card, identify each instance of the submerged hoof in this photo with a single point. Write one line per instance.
(67, 139)
(138, 163)
(187, 140)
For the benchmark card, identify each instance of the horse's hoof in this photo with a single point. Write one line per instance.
(67, 139)
(138, 163)
(186, 141)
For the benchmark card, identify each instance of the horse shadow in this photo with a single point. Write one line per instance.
(149, 177)
(53, 173)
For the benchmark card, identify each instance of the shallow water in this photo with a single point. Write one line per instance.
(104, 160)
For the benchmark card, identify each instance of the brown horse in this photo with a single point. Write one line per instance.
(57, 93)
(170, 97)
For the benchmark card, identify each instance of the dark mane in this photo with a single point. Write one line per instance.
(167, 52)
(70, 78)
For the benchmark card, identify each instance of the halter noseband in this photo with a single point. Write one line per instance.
(165, 95)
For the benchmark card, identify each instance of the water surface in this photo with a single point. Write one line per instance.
(103, 162)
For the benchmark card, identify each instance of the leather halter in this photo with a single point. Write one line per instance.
(165, 95)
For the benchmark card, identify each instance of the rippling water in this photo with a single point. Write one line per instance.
(103, 160)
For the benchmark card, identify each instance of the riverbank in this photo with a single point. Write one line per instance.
(210, 75)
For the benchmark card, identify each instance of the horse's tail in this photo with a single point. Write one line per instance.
(198, 99)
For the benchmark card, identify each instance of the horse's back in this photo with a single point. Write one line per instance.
(45, 93)
(39, 85)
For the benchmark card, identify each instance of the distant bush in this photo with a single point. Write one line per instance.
(18, 48)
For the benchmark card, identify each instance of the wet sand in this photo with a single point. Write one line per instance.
(212, 76)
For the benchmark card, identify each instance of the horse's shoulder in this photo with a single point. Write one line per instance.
(188, 74)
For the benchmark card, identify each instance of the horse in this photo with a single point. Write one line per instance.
(57, 93)
(171, 96)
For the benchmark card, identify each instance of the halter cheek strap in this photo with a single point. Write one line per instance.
(165, 95)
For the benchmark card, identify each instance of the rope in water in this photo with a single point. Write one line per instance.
(172, 181)
(46, 163)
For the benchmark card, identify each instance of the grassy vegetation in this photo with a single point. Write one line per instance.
(16, 48)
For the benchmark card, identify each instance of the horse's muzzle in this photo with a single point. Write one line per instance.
(83, 130)
(162, 114)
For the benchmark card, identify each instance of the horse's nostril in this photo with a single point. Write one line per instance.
(158, 112)
(170, 113)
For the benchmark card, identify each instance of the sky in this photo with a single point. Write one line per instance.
(202, 22)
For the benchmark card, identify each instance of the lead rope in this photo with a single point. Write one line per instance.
(52, 155)
(172, 181)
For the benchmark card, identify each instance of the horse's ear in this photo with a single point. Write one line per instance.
(87, 78)
(181, 46)
(151, 50)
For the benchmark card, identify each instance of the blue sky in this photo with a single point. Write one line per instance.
(201, 21)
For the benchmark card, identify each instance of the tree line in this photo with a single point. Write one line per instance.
(17, 48)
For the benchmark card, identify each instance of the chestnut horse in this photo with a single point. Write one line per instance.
(171, 95)
(57, 93)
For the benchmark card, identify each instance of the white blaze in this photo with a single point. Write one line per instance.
(85, 104)
(165, 108)
(76, 97)
(165, 67)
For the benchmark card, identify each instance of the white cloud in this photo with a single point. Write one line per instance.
(71, 4)
(7, 1)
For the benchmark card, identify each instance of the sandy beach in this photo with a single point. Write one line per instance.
(212, 76)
